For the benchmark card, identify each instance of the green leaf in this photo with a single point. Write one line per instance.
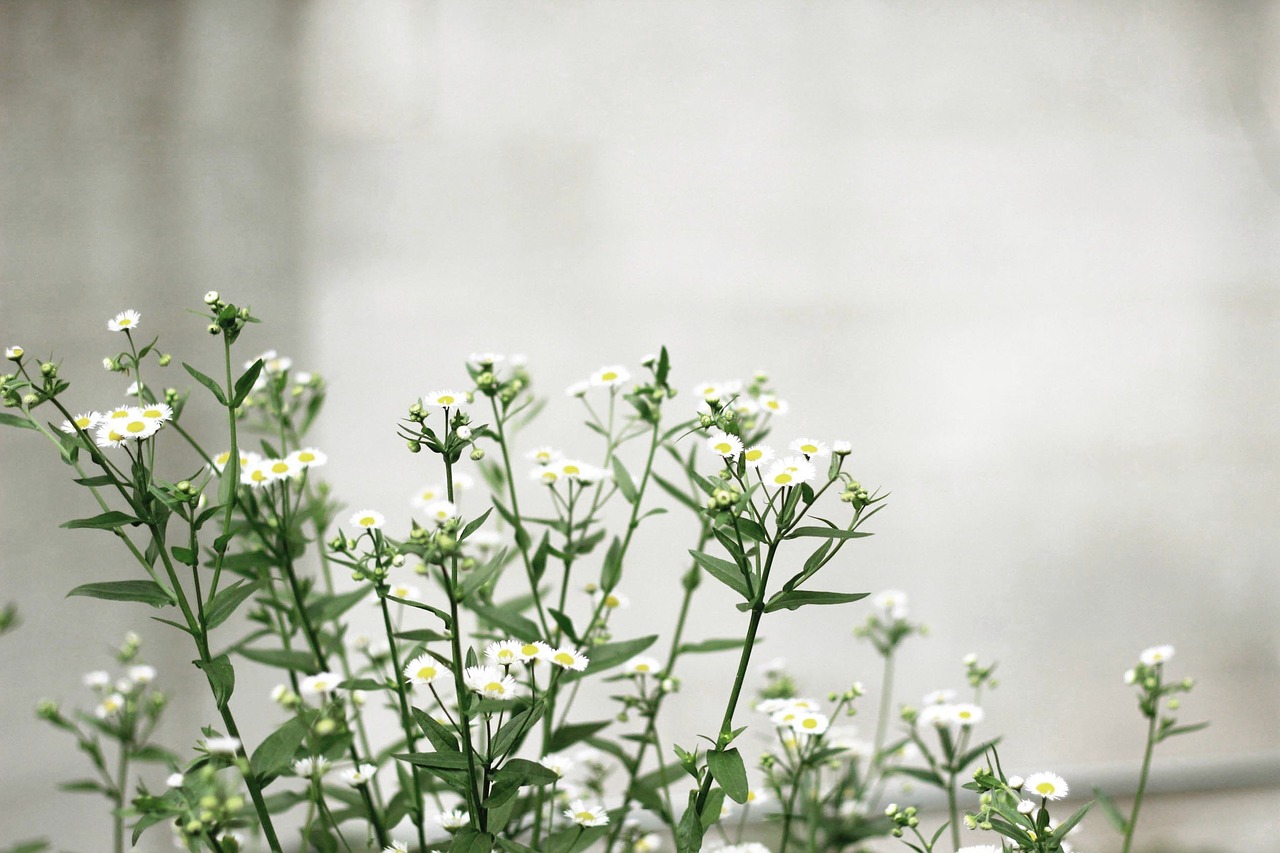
(36, 846)
(514, 729)
(608, 655)
(919, 773)
(1061, 830)
(568, 735)
(324, 608)
(418, 605)
(797, 598)
(95, 482)
(625, 484)
(421, 635)
(574, 839)
(468, 840)
(474, 524)
(676, 492)
(441, 736)
(106, 521)
(718, 645)
(245, 383)
(14, 421)
(277, 749)
(1181, 730)
(611, 572)
(148, 592)
(481, 575)
(722, 570)
(222, 678)
(728, 769)
(514, 775)
(298, 661)
(84, 786)
(508, 620)
(435, 760)
(1110, 809)
(826, 533)
(222, 605)
(214, 387)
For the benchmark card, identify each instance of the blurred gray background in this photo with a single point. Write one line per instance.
(1022, 255)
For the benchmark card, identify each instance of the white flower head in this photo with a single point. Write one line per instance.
(246, 459)
(124, 321)
(283, 469)
(310, 767)
(773, 405)
(408, 592)
(965, 714)
(452, 819)
(358, 775)
(610, 376)
(110, 706)
(583, 815)
(642, 665)
(485, 360)
(722, 444)
(557, 763)
(273, 364)
(396, 847)
(790, 471)
(161, 412)
(14, 353)
(446, 399)
(368, 519)
(1026, 807)
(891, 604)
(841, 448)
(428, 495)
(811, 723)
(174, 780)
(142, 673)
(84, 421)
(567, 657)
(944, 696)
(308, 457)
(545, 474)
(440, 512)
(1050, 786)
(504, 653)
(424, 669)
(809, 447)
(649, 843)
(97, 679)
(257, 473)
(938, 716)
(320, 684)
(221, 745)
(535, 651)
(758, 455)
(578, 389)
(544, 455)
(491, 682)
(1156, 655)
(616, 601)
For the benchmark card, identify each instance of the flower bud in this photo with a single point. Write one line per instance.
(165, 359)
(414, 445)
(477, 454)
(30, 400)
(212, 298)
(214, 329)
(14, 353)
(48, 369)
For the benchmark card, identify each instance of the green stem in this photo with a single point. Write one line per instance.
(122, 780)
(882, 729)
(406, 721)
(1142, 784)
(953, 809)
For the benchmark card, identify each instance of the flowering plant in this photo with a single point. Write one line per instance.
(454, 725)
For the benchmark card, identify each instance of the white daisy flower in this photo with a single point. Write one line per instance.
(649, 843)
(311, 767)
(758, 455)
(396, 847)
(723, 444)
(717, 390)
(246, 459)
(221, 745)
(891, 604)
(791, 471)
(84, 421)
(257, 473)
(125, 320)
(452, 819)
(772, 706)
(543, 455)
(578, 389)
(368, 519)
(773, 405)
(283, 469)
(110, 706)
(567, 657)
(445, 399)
(757, 796)
(440, 512)
(1016, 782)
(308, 457)
(137, 425)
(786, 715)
(642, 665)
(428, 495)
(966, 714)
(810, 447)
(282, 695)
(583, 815)
(1026, 807)
(160, 412)
(537, 650)
(424, 669)
(174, 780)
(1050, 786)
(557, 763)
(97, 679)
(273, 364)
(485, 360)
(504, 653)
(108, 436)
(611, 376)
(1156, 654)
(490, 682)
(841, 448)
(811, 723)
(571, 468)
(320, 684)
(14, 353)
(358, 775)
(616, 601)
(938, 716)
(939, 697)
(545, 475)
(408, 592)
(142, 674)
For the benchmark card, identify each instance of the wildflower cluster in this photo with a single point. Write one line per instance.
(1018, 809)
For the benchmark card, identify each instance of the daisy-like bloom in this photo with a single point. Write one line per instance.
(809, 447)
(445, 399)
(402, 590)
(424, 670)
(787, 715)
(440, 512)
(791, 471)
(583, 815)
(811, 723)
(1050, 786)
(567, 657)
(368, 519)
(308, 457)
(891, 604)
(85, 421)
(396, 847)
(453, 819)
(311, 767)
(161, 412)
(717, 390)
(938, 716)
(174, 780)
(108, 436)
(272, 362)
(939, 697)
(1156, 654)
(504, 653)
(546, 475)
(1026, 807)
(246, 459)
(490, 682)
(537, 650)
(543, 455)
(485, 359)
(571, 468)
(137, 425)
(128, 319)
(610, 376)
(221, 745)
(283, 469)
(841, 448)
(14, 353)
(773, 405)
(557, 763)
(578, 389)
(96, 679)
(723, 444)
(647, 844)
(282, 695)
(428, 495)
(320, 684)
(1016, 782)
(257, 473)
(133, 390)
(142, 673)
(110, 706)
(757, 796)
(966, 714)
(462, 481)
(358, 775)
(758, 455)
(616, 601)
(642, 665)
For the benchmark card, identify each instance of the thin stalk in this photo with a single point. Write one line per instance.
(405, 721)
(953, 809)
(121, 782)
(1142, 785)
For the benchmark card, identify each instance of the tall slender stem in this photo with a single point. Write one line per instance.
(406, 721)
(1142, 785)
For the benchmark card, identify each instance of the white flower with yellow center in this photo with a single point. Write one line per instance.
(724, 445)
(490, 682)
(110, 436)
(428, 495)
(546, 475)
(811, 723)
(110, 706)
(939, 697)
(809, 447)
(567, 657)
(453, 819)
(85, 421)
(96, 680)
(535, 651)
(610, 376)
(966, 714)
(124, 321)
(1156, 655)
(649, 843)
(283, 469)
(786, 715)
(440, 512)
(221, 745)
(571, 468)
(14, 353)
(142, 673)
(257, 474)
(358, 775)
(161, 412)
(504, 653)
(616, 601)
(446, 399)
(424, 669)
(758, 455)
(485, 360)
(368, 519)
(773, 405)
(319, 685)
(1050, 786)
(308, 457)
(396, 847)
(791, 471)
(938, 716)
(246, 459)
(642, 665)
(310, 767)
(578, 389)
(583, 815)
(890, 605)
(402, 590)
(138, 425)
(544, 455)
(557, 763)
(841, 448)
(757, 796)
(717, 390)
(273, 363)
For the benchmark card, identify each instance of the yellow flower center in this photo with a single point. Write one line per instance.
(544, 457)
(151, 413)
(305, 456)
(612, 601)
(550, 476)
(126, 322)
(1045, 789)
(120, 413)
(642, 667)
(258, 475)
(771, 404)
(753, 455)
(136, 427)
(368, 521)
(782, 479)
(809, 448)
(83, 423)
(809, 723)
(446, 399)
(427, 672)
(528, 650)
(494, 687)
(572, 469)
(564, 659)
(112, 435)
(280, 468)
(723, 447)
(609, 376)
(584, 816)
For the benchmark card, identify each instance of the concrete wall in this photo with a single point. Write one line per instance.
(1022, 255)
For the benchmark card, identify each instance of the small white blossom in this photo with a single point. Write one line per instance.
(722, 444)
(368, 519)
(124, 321)
(583, 815)
(611, 376)
(222, 745)
(358, 775)
(320, 684)
(1050, 786)
(1156, 655)
(809, 447)
(446, 399)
